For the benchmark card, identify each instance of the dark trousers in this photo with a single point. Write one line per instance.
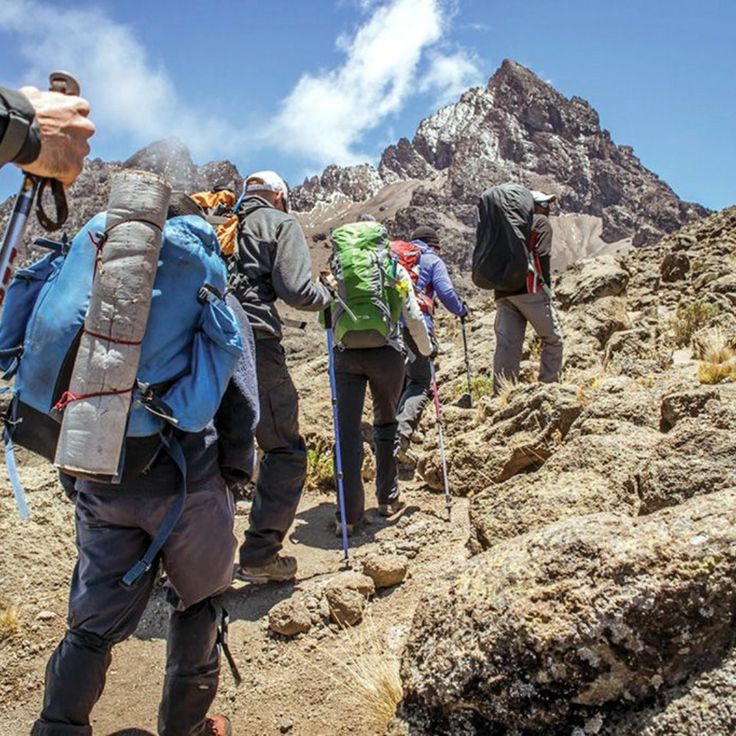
(417, 390)
(283, 469)
(383, 370)
(112, 534)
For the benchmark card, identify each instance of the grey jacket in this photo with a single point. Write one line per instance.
(272, 262)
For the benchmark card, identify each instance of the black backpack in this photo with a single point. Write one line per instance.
(501, 258)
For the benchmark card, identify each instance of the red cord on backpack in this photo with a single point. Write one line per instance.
(68, 397)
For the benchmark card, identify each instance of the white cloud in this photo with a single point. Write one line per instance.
(450, 75)
(129, 95)
(326, 115)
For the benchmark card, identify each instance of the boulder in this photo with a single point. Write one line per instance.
(686, 403)
(561, 628)
(695, 458)
(511, 437)
(591, 279)
(385, 570)
(588, 475)
(346, 597)
(674, 267)
(289, 617)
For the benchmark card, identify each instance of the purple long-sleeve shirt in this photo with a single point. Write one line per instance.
(434, 279)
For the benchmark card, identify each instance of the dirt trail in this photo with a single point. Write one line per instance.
(288, 685)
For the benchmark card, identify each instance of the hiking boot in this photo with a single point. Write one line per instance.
(338, 529)
(217, 726)
(389, 509)
(279, 569)
(404, 453)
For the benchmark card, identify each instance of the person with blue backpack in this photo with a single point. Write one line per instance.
(190, 434)
(422, 259)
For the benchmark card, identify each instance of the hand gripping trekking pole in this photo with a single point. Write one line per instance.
(441, 433)
(336, 429)
(469, 401)
(32, 189)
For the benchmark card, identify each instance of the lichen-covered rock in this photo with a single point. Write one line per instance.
(554, 629)
(674, 267)
(590, 473)
(510, 438)
(695, 458)
(686, 403)
(385, 570)
(289, 617)
(591, 279)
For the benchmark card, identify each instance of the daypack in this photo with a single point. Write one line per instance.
(189, 351)
(501, 258)
(409, 256)
(365, 271)
(219, 207)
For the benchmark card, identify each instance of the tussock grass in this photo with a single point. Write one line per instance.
(366, 669)
(690, 318)
(505, 387)
(710, 373)
(9, 621)
(320, 468)
(715, 347)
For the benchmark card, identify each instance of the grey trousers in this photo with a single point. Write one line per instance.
(283, 469)
(112, 534)
(417, 389)
(383, 370)
(512, 314)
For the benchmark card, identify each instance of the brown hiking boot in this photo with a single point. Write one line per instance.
(217, 726)
(389, 509)
(279, 569)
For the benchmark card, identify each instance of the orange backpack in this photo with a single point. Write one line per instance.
(219, 209)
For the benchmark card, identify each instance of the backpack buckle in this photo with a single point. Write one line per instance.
(208, 294)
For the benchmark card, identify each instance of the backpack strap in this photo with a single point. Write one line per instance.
(12, 466)
(172, 446)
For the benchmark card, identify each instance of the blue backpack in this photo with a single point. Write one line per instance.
(189, 352)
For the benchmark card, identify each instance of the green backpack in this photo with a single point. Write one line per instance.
(365, 270)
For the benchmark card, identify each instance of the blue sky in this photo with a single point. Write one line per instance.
(297, 84)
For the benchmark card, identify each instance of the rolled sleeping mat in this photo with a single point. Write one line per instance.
(104, 375)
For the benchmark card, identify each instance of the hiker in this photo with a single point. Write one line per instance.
(116, 522)
(369, 352)
(271, 262)
(44, 133)
(432, 280)
(530, 303)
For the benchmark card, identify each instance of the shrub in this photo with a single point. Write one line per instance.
(716, 372)
(320, 469)
(691, 317)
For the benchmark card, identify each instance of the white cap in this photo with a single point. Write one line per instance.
(266, 181)
(542, 198)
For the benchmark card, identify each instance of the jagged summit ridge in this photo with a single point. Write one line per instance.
(520, 128)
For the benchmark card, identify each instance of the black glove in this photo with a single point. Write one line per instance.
(466, 317)
(435, 348)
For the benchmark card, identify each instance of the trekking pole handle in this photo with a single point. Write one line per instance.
(64, 83)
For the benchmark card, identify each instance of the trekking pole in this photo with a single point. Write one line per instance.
(440, 431)
(469, 402)
(31, 189)
(336, 429)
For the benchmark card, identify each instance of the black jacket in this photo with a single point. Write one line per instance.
(20, 137)
(272, 262)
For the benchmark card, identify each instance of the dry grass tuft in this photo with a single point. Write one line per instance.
(715, 347)
(367, 670)
(710, 373)
(480, 386)
(505, 387)
(9, 621)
